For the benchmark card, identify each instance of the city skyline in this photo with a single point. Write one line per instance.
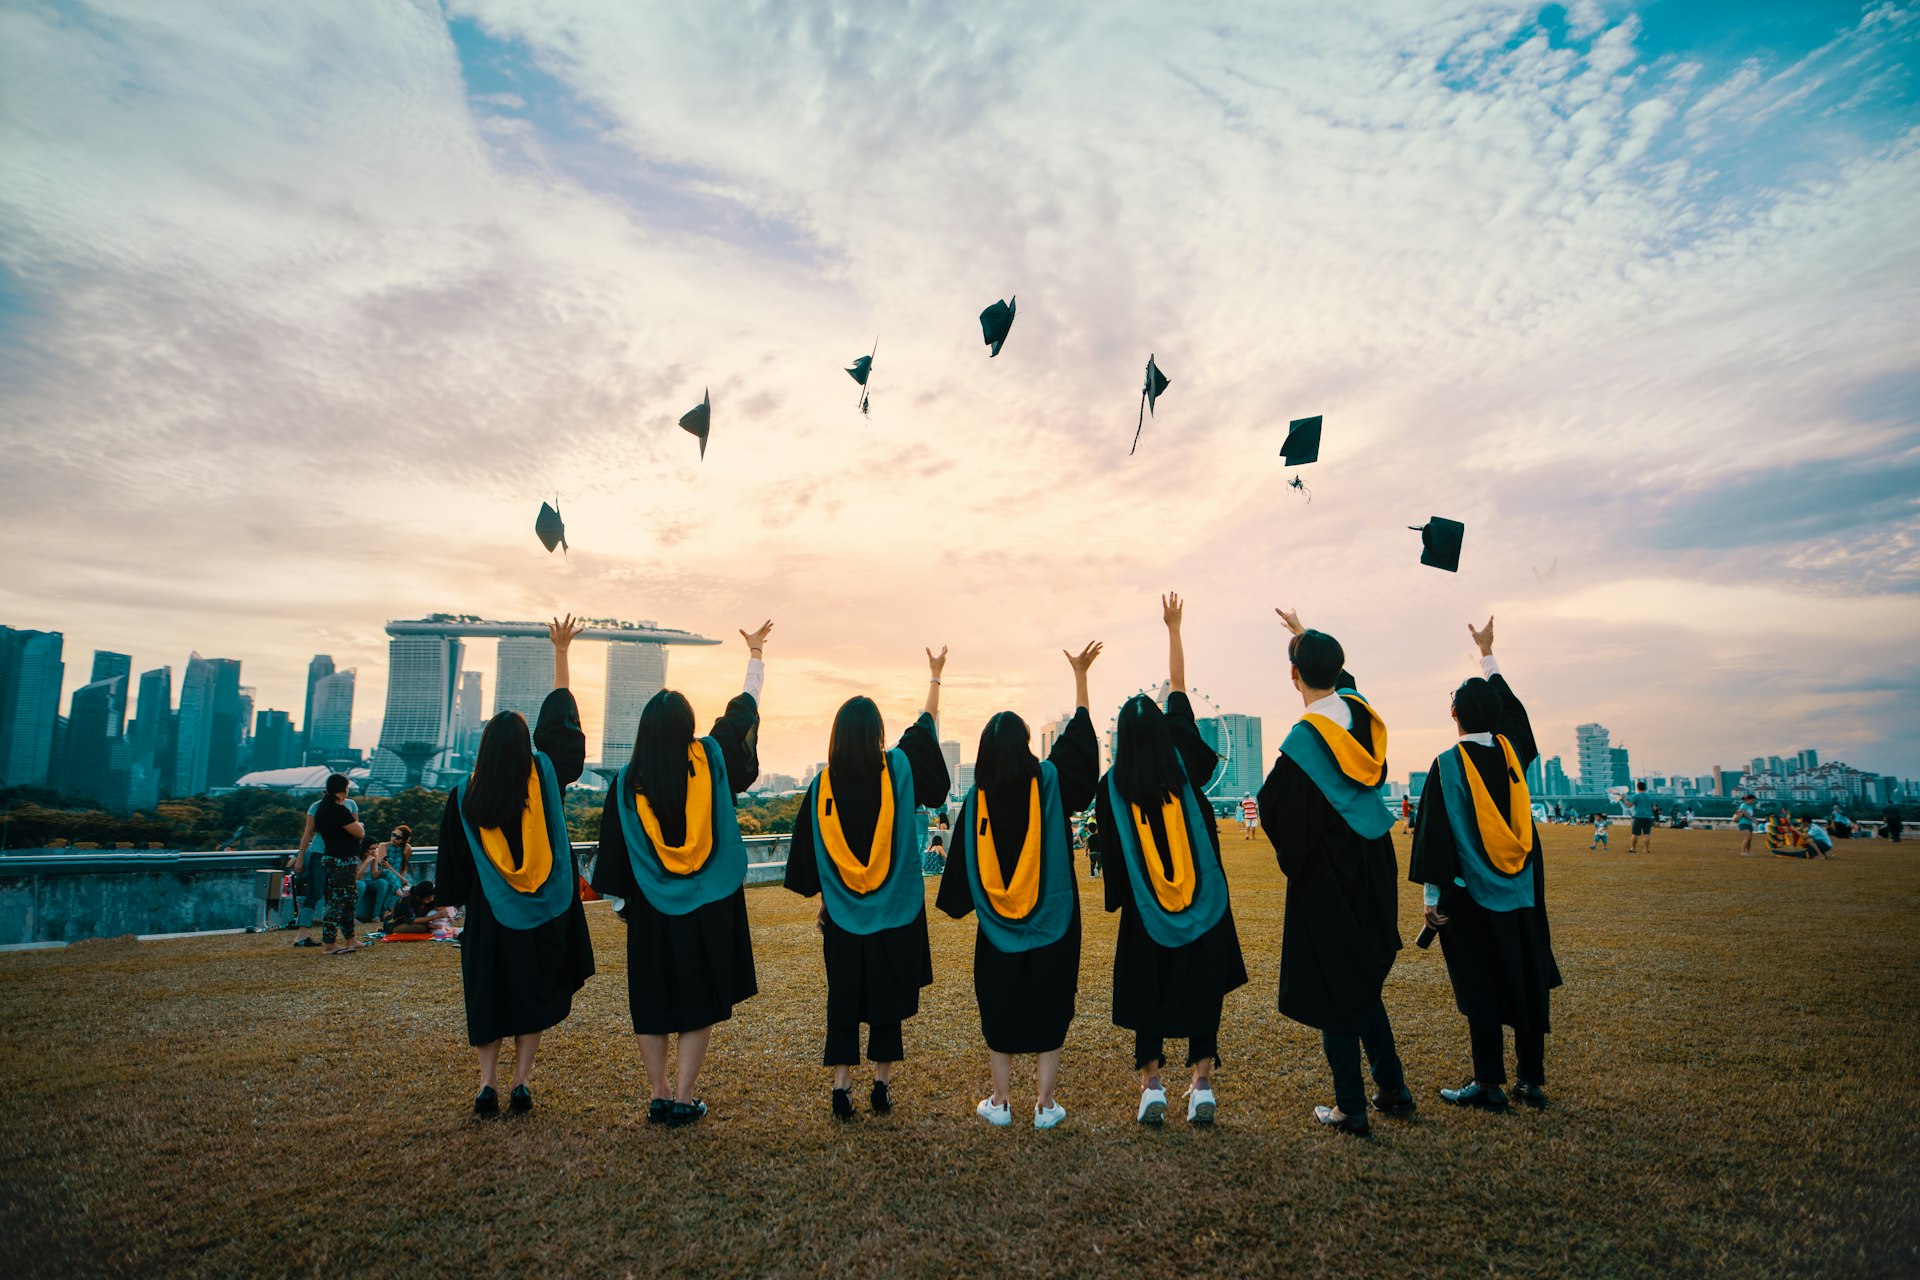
(1611, 284)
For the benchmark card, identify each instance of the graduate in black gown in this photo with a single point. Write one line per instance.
(1011, 862)
(506, 857)
(1333, 838)
(1476, 851)
(672, 856)
(1177, 953)
(857, 845)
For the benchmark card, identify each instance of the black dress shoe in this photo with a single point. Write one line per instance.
(685, 1113)
(486, 1102)
(520, 1101)
(882, 1099)
(843, 1103)
(1531, 1094)
(1475, 1094)
(657, 1110)
(1396, 1102)
(1355, 1125)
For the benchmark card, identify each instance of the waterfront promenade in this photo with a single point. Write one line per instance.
(1730, 1086)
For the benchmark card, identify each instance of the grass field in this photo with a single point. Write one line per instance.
(1732, 1082)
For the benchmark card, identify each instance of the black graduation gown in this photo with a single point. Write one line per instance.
(1167, 991)
(685, 972)
(518, 981)
(1341, 928)
(1501, 962)
(873, 977)
(1026, 998)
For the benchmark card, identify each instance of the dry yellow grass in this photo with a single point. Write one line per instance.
(1732, 1082)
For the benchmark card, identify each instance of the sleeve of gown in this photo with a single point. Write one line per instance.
(1076, 756)
(453, 876)
(738, 733)
(1515, 727)
(931, 781)
(1435, 858)
(1199, 759)
(612, 873)
(558, 734)
(956, 895)
(1119, 889)
(803, 875)
(1274, 810)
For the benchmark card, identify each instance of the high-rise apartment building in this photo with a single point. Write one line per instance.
(1553, 778)
(1237, 739)
(331, 725)
(31, 672)
(107, 665)
(1807, 759)
(1594, 756)
(523, 676)
(1536, 777)
(319, 667)
(635, 672)
(951, 750)
(1622, 769)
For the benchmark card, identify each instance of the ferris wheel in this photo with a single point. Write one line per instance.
(1204, 709)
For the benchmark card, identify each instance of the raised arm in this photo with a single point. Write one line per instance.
(1170, 611)
(562, 631)
(934, 667)
(1080, 665)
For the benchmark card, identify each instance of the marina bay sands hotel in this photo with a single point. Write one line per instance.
(433, 713)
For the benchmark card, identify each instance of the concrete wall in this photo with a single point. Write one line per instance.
(62, 896)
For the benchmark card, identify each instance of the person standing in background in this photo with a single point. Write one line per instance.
(1743, 821)
(1644, 812)
(336, 823)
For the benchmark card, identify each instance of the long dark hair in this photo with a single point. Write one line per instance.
(1006, 759)
(338, 784)
(1146, 768)
(660, 752)
(854, 750)
(497, 792)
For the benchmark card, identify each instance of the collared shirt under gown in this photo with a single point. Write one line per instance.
(685, 972)
(1341, 929)
(1501, 962)
(1167, 991)
(519, 981)
(1026, 998)
(873, 977)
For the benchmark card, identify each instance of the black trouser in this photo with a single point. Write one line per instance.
(1150, 1049)
(884, 1044)
(338, 876)
(1343, 1055)
(1489, 1057)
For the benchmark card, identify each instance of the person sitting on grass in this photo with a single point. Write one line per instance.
(1818, 841)
(417, 913)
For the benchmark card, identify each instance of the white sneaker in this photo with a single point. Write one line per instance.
(1200, 1106)
(1153, 1106)
(999, 1117)
(1048, 1117)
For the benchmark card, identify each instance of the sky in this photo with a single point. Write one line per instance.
(305, 307)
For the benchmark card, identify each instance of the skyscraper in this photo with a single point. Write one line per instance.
(1594, 756)
(1536, 778)
(275, 745)
(319, 667)
(1237, 738)
(107, 665)
(423, 675)
(1622, 770)
(150, 740)
(31, 672)
(1807, 759)
(1554, 777)
(332, 723)
(207, 742)
(635, 672)
(87, 755)
(523, 677)
(469, 713)
(951, 750)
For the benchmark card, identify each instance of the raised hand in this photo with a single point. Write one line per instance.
(935, 665)
(757, 640)
(1292, 620)
(1483, 637)
(562, 630)
(1085, 660)
(1171, 609)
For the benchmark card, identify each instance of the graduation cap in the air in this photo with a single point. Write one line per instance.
(1440, 542)
(1156, 383)
(862, 370)
(699, 420)
(995, 322)
(552, 530)
(1303, 442)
